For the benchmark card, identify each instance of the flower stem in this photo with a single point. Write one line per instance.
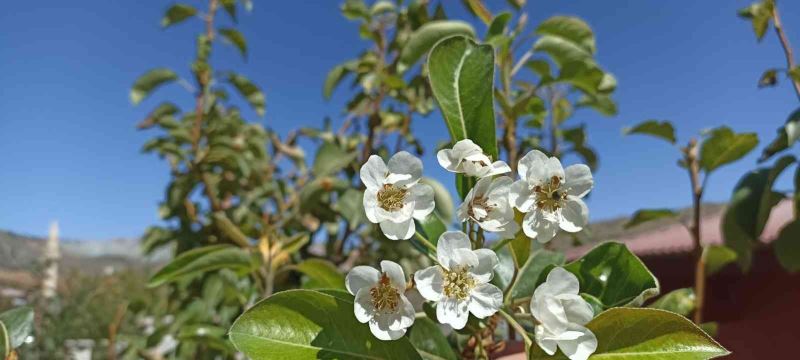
(432, 249)
(521, 330)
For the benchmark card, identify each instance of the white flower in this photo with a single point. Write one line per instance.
(468, 158)
(550, 195)
(460, 283)
(562, 313)
(379, 299)
(394, 196)
(487, 204)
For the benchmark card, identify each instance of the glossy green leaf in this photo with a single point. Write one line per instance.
(355, 9)
(520, 247)
(788, 134)
(532, 270)
(477, 8)
(427, 338)
(335, 76)
(680, 301)
(432, 227)
(602, 103)
(644, 334)
(236, 38)
(441, 196)
(177, 13)
(787, 246)
(571, 29)
(461, 73)
(148, 82)
(561, 50)
(645, 215)
(331, 159)
(749, 208)
(422, 40)
(249, 91)
(612, 274)
(18, 324)
(723, 146)
(306, 324)
(498, 25)
(322, 274)
(659, 129)
(716, 257)
(201, 260)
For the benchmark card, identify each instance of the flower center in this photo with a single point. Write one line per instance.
(479, 203)
(549, 196)
(390, 197)
(458, 283)
(385, 297)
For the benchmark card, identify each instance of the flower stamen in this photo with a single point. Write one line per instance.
(385, 297)
(458, 283)
(390, 197)
(549, 196)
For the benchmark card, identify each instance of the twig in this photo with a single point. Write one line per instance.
(514, 324)
(787, 48)
(693, 167)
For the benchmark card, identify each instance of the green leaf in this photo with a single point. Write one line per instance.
(249, 91)
(659, 129)
(645, 215)
(355, 9)
(322, 274)
(422, 40)
(643, 334)
(788, 134)
(520, 247)
(759, 14)
(230, 8)
(461, 73)
(177, 13)
(563, 51)
(723, 146)
(787, 246)
(335, 76)
(5, 342)
(441, 196)
(351, 206)
(429, 341)
(680, 301)
(432, 227)
(532, 270)
(498, 25)
(331, 159)
(382, 6)
(612, 274)
(768, 79)
(306, 324)
(148, 82)
(236, 38)
(477, 8)
(18, 323)
(571, 29)
(749, 208)
(716, 257)
(201, 260)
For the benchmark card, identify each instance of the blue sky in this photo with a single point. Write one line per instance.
(70, 150)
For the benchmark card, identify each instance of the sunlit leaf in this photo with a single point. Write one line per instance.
(18, 323)
(680, 301)
(477, 8)
(645, 215)
(307, 324)
(768, 78)
(659, 129)
(723, 146)
(788, 134)
(249, 91)
(331, 158)
(716, 257)
(177, 13)
(430, 342)
(422, 40)
(532, 269)
(570, 28)
(148, 82)
(201, 260)
(236, 38)
(498, 25)
(322, 274)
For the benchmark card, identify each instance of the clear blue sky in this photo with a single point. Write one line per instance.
(70, 151)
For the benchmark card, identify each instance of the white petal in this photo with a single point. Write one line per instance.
(499, 189)
(395, 273)
(462, 257)
(521, 196)
(373, 172)
(550, 313)
(578, 180)
(561, 282)
(452, 312)
(482, 186)
(463, 209)
(422, 195)
(448, 242)
(538, 226)
(532, 159)
(476, 165)
(398, 231)
(497, 168)
(404, 163)
(362, 306)
(385, 334)
(574, 215)
(580, 348)
(578, 311)
(487, 261)
(544, 340)
(486, 300)
(371, 205)
(430, 283)
(553, 168)
(446, 160)
(415, 298)
(396, 216)
(361, 277)
(406, 312)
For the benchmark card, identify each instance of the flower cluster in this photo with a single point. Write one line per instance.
(549, 196)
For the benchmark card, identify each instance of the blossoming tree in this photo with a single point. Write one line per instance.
(587, 308)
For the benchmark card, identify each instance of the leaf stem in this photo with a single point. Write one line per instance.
(432, 249)
(521, 330)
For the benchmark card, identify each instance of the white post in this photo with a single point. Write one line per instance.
(51, 256)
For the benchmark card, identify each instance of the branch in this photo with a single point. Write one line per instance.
(787, 48)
